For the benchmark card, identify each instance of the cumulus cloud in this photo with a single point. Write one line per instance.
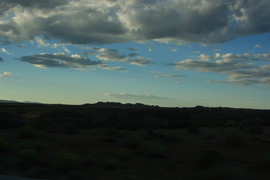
(60, 60)
(6, 75)
(241, 69)
(114, 21)
(133, 96)
(114, 55)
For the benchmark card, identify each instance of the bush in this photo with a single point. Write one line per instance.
(3, 145)
(112, 163)
(256, 130)
(266, 160)
(27, 132)
(29, 155)
(67, 161)
(89, 160)
(133, 141)
(69, 127)
(235, 140)
(154, 151)
(123, 154)
(209, 158)
(225, 172)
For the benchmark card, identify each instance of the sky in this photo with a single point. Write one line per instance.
(171, 53)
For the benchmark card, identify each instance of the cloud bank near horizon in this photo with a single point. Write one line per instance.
(115, 21)
(241, 69)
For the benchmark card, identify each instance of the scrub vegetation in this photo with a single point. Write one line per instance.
(117, 141)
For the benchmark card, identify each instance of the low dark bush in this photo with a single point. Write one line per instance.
(27, 132)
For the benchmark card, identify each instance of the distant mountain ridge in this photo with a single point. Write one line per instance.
(8, 101)
(12, 101)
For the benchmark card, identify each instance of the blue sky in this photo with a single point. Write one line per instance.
(160, 52)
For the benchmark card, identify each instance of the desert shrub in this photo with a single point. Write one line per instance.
(210, 137)
(235, 140)
(154, 151)
(256, 130)
(113, 132)
(133, 141)
(123, 154)
(193, 128)
(69, 127)
(29, 154)
(225, 172)
(67, 161)
(209, 158)
(27, 132)
(89, 160)
(171, 137)
(25, 144)
(111, 163)
(171, 166)
(3, 145)
(28, 158)
(9, 121)
(266, 160)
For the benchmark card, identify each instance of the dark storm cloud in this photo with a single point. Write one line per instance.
(114, 21)
(32, 3)
(242, 69)
(60, 60)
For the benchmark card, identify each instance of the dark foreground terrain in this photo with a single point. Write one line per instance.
(133, 142)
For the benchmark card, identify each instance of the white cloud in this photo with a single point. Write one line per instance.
(257, 46)
(6, 75)
(3, 50)
(42, 43)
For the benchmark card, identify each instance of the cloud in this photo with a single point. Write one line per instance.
(114, 55)
(132, 49)
(42, 43)
(6, 75)
(241, 69)
(7, 4)
(133, 96)
(118, 68)
(3, 50)
(257, 46)
(60, 60)
(175, 77)
(115, 21)
(1, 59)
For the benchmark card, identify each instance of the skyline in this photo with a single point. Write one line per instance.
(161, 52)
